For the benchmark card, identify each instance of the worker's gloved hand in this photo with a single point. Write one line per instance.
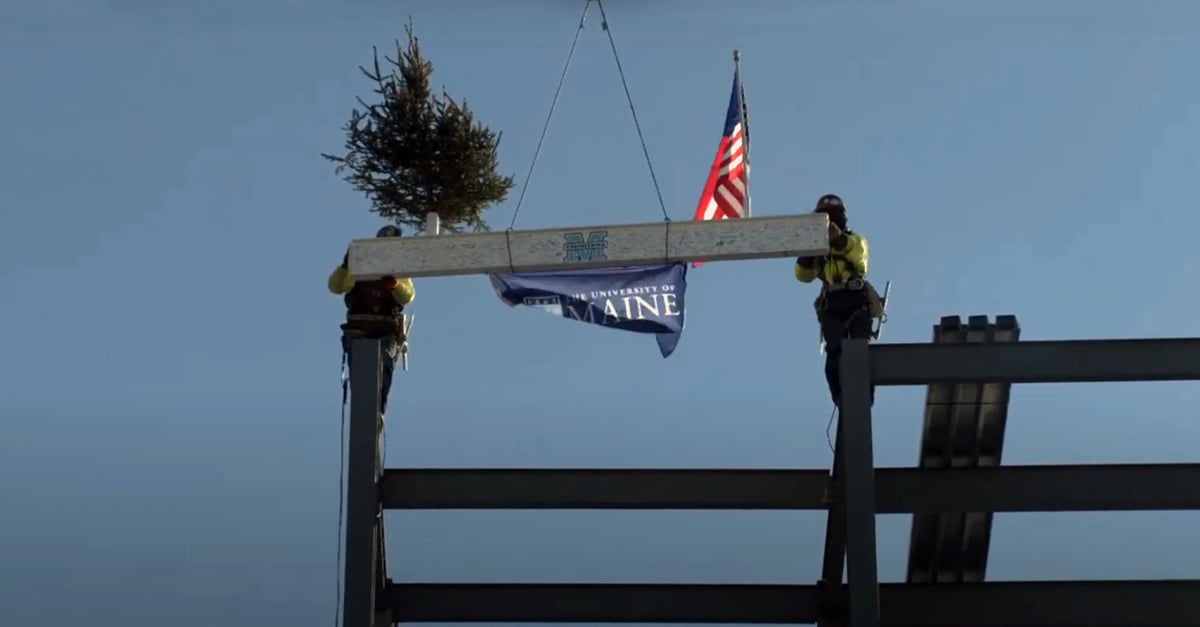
(837, 238)
(390, 282)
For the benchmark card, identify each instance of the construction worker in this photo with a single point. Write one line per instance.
(847, 302)
(373, 310)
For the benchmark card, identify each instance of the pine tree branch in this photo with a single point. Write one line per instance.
(415, 152)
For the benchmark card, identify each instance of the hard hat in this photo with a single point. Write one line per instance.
(830, 201)
(389, 230)
(832, 206)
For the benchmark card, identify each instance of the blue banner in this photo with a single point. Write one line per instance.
(643, 299)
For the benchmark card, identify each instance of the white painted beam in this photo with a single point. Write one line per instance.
(584, 247)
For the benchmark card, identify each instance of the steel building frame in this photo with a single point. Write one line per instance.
(964, 427)
(853, 494)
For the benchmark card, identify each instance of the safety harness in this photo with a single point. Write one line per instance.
(855, 282)
(371, 311)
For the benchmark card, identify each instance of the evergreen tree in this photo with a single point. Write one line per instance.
(415, 152)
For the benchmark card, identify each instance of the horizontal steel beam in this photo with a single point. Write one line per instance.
(898, 490)
(1165, 603)
(1068, 361)
(608, 603)
(585, 488)
(1037, 488)
(584, 247)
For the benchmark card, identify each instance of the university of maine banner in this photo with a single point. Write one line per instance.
(643, 299)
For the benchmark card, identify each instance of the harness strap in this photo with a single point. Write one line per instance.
(375, 325)
(873, 305)
(370, 317)
(823, 261)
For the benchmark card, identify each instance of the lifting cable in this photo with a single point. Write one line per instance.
(554, 104)
(629, 98)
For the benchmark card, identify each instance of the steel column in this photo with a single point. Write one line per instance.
(362, 493)
(831, 598)
(858, 467)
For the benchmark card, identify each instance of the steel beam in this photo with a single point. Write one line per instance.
(1163, 603)
(858, 489)
(609, 603)
(584, 247)
(362, 494)
(1068, 361)
(964, 423)
(964, 426)
(617, 488)
(1041, 488)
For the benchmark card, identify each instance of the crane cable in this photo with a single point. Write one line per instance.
(554, 104)
(549, 116)
(633, 110)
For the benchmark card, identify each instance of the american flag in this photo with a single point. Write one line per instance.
(727, 190)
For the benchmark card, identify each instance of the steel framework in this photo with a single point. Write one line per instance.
(955, 489)
(964, 428)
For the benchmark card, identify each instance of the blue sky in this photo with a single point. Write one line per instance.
(169, 377)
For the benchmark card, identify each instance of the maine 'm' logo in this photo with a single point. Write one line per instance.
(576, 248)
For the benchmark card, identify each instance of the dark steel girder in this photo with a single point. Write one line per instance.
(1064, 361)
(964, 426)
(1164, 603)
(1053, 488)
